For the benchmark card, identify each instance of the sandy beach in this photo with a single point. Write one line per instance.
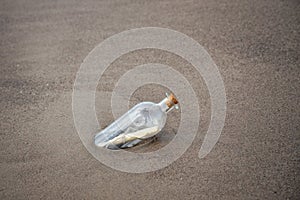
(255, 45)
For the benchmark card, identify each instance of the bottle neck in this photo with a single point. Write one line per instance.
(165, 105)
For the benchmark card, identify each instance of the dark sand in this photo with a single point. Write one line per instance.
(254, 43)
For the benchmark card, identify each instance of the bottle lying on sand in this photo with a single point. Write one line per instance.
(141, 122)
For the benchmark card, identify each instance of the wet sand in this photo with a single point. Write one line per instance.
(256, 47)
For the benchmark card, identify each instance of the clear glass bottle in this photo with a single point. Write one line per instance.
(142, 121)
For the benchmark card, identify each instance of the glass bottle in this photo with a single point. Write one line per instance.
(142, 121)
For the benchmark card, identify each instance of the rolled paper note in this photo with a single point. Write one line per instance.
(141, 134)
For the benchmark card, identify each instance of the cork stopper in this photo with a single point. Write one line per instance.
(171, 100)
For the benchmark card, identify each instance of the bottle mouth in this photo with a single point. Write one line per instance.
(171, 100)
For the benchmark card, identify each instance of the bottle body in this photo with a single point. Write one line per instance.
(141, 122)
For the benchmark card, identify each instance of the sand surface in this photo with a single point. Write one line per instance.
(254, 43)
